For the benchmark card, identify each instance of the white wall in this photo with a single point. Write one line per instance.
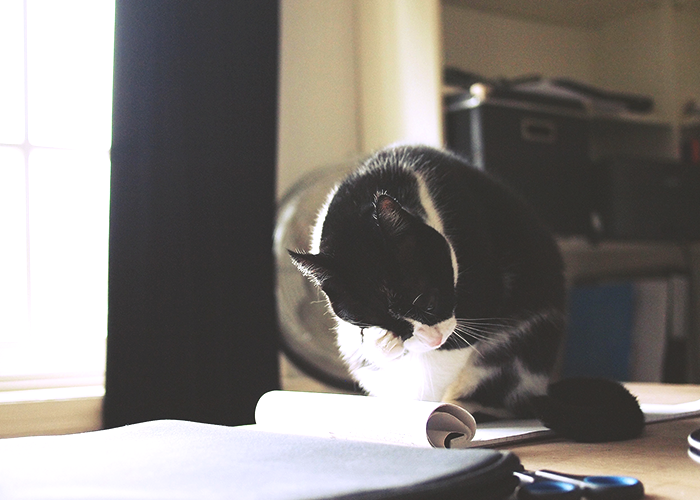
(653, 51)
(318, 87)
(400, 68)
(687, 43)
(355, 75)
(496, 46)
(635, 55)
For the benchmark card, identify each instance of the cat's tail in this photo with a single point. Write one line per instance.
(590, 410)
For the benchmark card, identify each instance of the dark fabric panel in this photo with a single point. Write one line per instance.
(192, 319)
(191, 461)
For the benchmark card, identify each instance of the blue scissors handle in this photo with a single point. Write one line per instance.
(547, 484)
(540, 489)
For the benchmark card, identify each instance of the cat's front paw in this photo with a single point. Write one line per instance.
(382, 345)
(391, 346)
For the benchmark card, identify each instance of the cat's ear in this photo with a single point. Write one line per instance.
(400, 229)
(316, 267)
(393, 220)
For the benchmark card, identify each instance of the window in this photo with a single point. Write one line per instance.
(56, 61)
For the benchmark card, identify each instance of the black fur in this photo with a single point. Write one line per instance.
(381, 265)
(590, 410)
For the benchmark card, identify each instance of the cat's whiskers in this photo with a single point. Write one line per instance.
(459, 335)
(463, 273)
(485, 337)
(491, 326)
(500, 322)
(485, 330)
(478, 333)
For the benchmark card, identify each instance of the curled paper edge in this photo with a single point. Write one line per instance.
(450, 426)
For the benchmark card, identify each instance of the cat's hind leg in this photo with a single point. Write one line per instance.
(501, 376)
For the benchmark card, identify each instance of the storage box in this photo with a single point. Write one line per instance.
(538, 146)
(642, 199)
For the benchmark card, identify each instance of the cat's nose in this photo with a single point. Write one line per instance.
(430, 336)
(435, 342)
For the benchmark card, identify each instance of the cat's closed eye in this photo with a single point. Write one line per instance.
(426, 301)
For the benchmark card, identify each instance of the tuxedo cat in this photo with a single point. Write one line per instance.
(444, 285)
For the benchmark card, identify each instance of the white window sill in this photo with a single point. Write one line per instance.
(35, 418)
(45, 411)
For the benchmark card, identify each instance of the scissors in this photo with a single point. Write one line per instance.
(694, 445)
(547, 484)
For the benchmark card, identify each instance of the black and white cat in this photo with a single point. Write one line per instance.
(445, 286)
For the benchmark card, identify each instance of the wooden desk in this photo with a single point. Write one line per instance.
(659, 458)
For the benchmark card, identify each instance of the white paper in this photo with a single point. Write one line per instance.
(365, 418)
(519, 431)
(510, 432)
(662, 413)
(411, 423)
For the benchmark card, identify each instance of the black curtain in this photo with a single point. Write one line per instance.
(192, 319)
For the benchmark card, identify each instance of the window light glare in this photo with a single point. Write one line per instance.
(68, 213)
(56, 61)
(70, 72)
(53, 394)
(12, 71)
(14, 312)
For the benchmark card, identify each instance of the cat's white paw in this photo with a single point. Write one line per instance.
(379, 346)
(391, 346)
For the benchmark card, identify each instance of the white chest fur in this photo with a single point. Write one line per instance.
(383, 367)
(425, 376)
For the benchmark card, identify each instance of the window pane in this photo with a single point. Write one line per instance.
(13, 251)
(12, 71)
(68, 241)
(55, 358)
(70, 55)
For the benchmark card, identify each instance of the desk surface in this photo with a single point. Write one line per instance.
(659, 458)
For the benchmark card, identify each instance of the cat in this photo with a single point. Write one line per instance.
(445, 286)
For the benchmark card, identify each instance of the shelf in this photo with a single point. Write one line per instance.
(631, 118)
(585, 260)
(581, 13)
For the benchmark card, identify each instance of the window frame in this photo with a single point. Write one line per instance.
(43, 400)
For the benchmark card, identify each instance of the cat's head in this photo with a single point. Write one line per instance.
(401, 288)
